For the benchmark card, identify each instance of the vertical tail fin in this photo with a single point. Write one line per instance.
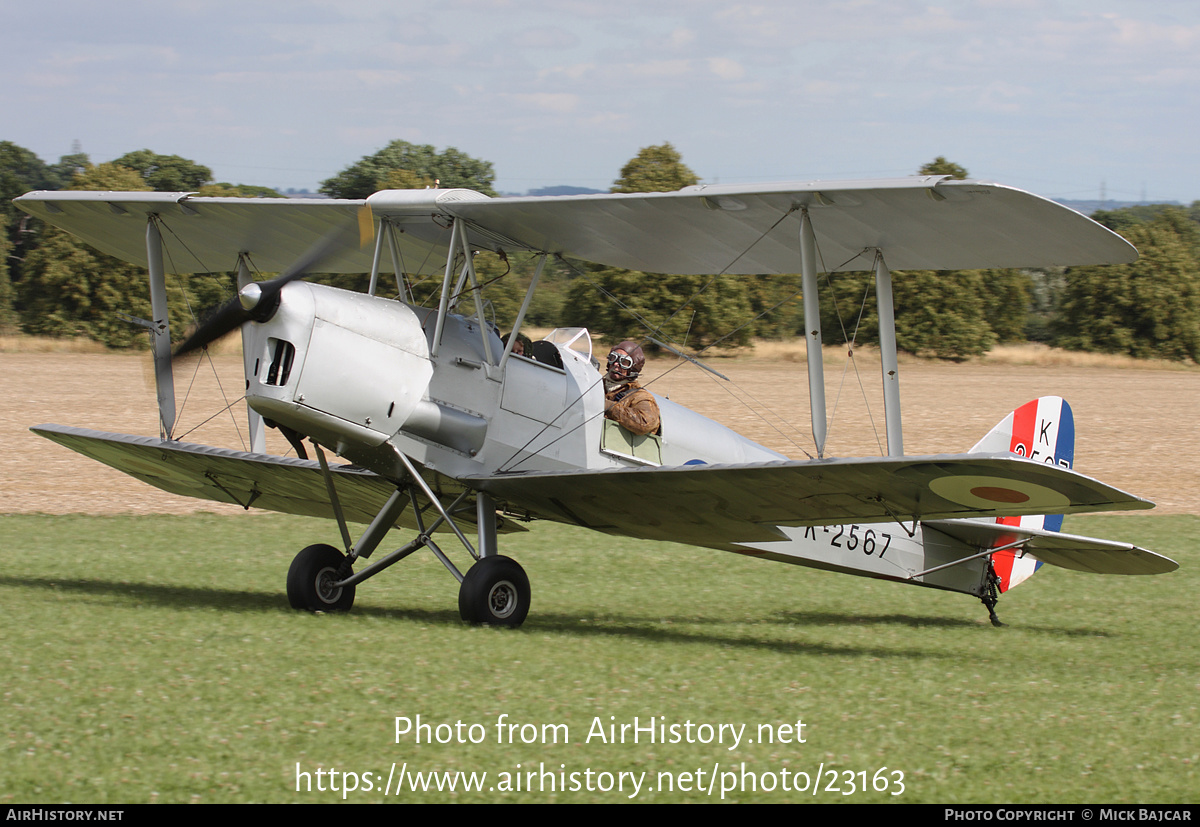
(1043, 430)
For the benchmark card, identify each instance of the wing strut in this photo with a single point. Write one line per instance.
(444, 303)
(887, 351)
(469, 271)
(387, 235)
(164, 379)
(812, 330)
(516, 328)
(258, 438)
(403, 289)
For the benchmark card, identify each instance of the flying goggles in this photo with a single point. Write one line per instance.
(622, 360)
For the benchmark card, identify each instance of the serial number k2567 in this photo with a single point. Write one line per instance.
(869, 541)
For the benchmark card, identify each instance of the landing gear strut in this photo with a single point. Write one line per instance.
(495, 590)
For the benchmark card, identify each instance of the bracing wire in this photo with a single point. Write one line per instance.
(207, 356)
(773, 308)
(724, 270)
(851, 361)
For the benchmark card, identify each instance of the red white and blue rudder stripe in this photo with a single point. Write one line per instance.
(1042, 430)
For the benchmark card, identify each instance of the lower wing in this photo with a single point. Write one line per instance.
(716, 506)
(290, 486)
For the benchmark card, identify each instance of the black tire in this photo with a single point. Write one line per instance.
(313, 569)
(494, 592)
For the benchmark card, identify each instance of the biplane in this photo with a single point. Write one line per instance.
(447, 431)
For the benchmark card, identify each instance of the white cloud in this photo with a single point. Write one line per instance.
(544, 38)
(558, 103)
(868, 85)
(726, 68)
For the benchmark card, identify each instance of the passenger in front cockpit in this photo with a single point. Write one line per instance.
(522, 345)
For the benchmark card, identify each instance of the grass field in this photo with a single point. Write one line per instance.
(155, 659)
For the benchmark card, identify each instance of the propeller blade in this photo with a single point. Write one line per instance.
(308, 263)
(227, 318)
(259, 304)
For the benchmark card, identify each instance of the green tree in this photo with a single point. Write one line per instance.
(406, 179)
(1147, 309)
(8, 313)
(652, 305)
(848, 308)
(655, 169)
(938, 313)
(1046, 286)
(166, 173)
(71, 290)
(237, 191)
(68, 167)
(111, 177)
(940, 166)
(776, 305)
(20, 172)
(1007, 297)
(422, 165)
(942, 313)
(1126, 218)
(695, 310)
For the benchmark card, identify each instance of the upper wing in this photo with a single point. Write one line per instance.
(290, 486)
(203, 235)
(719, 506)
(930, 222)
(1070, 551)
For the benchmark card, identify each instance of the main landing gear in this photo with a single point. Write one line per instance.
(311, 581)
(495, 590)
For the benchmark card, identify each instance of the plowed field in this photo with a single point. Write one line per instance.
(1136, 428)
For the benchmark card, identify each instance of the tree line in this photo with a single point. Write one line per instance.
(54, 285)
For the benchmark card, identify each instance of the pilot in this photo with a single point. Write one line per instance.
(625, 401)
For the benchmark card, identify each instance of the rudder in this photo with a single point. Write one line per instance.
(1042, 430)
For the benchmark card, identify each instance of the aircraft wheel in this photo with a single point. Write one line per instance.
(494, 592)
(309, 581)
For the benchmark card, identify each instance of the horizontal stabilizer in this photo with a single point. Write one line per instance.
(273, 483)
(1067, 551)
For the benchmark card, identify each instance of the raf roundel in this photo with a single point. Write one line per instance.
(989, 493)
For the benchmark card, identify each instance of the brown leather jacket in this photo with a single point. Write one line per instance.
(634, 408)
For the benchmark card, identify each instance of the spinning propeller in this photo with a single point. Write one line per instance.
(259, 300)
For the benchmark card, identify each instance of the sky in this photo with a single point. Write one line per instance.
(1070, 99)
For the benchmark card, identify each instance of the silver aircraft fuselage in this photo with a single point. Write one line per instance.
(358, 374)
